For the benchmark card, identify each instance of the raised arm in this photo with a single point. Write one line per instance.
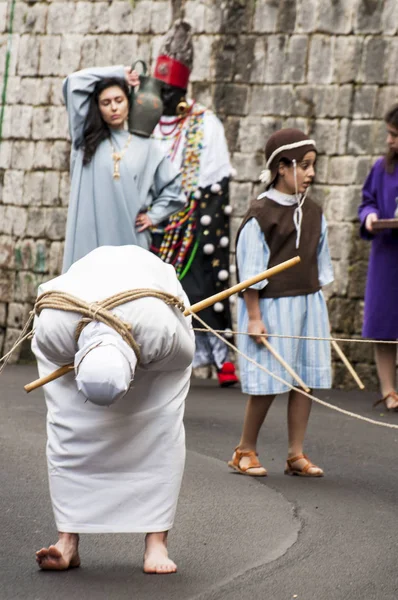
(77, 89)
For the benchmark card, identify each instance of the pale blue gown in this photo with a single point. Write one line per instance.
(305, 315)
(102, 210)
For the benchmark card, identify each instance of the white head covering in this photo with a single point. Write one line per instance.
(104, 365)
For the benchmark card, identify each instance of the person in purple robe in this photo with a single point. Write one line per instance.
(380, 201)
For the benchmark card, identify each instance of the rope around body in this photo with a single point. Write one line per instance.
(292, 387)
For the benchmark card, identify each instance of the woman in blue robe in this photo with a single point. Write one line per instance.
(121, 183)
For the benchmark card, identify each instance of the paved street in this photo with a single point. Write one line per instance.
(235, 538)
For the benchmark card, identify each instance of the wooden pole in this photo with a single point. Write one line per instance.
(348, 365)
(239, 287)
(285, 365)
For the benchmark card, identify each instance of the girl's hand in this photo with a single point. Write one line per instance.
(370, 219)
(255, 328)
(131, 77)
(142, 222)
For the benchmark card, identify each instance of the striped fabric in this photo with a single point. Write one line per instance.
(293, 315)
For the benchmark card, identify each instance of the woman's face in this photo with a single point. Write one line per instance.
(392, 138)
(114, 106)
(305, 173)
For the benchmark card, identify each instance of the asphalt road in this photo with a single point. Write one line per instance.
(235, 538)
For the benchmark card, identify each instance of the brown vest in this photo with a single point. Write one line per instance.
(276, 223)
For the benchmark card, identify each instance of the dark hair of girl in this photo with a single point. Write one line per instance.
(391, 158)
(95, 128)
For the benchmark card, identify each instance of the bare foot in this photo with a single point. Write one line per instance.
(63, 555)
(156, 557)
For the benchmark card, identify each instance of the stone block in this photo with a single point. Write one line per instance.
(347, 57)
(60, 154)
(342, 315)
(237, 16)
(385, 98)
(342, 170)
(33, 188)
(342, 139)
(325, 132)
(30, 18)
(363, 167)
(42, 156)
(42, 123)
(64, 188)
(35, 91)
(3, 16)
(100, 21)
(26, 286)
(296, 59)
(16, 315)
(287, 14)
(142, 16)
(41, 256)
(83, 17)
(356, 286)
(5, 154)
(379, 137)
(22, 155)
(36, 226)
(12, 42)
(339, 237)
(265, 16)
(197, 15)
(244, 59)
(61, 17)
(88, 51)
(234, 225)
(374, 62)
(56, 224)
(340, 284)
(144, 49)
(297, 123)
(321, 169)
(50, 50)
(361, 137)
(248, 166)
(202, 92)
(392, 57)
(29, 55)
(389, 17)
(120, 17)
(213, 17)
(307, 11)
(51, 189)
(56, 258)
(6, 252)
(59, 122)
(125, 50)
(271, 100)
(335, 17)
(367, 17)
(276, 57)
(3, 314)
(230, 99)
(25, 251)
(7, 279)
(13, 90)
(240, 197)
(70, 54)
(321, 59)
(257, 72)
(223, 55)
(203, 69)
(104, 50)
(13, 220)
(21, 120)
(56, 96)
(11, 338)
(13, 187)
(161, 16)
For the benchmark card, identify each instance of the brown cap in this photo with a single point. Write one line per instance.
(290, 143)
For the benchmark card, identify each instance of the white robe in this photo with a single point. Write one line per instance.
(118, 469)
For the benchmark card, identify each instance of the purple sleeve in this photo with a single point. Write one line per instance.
(369, 202)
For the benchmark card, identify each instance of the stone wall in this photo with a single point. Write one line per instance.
(329, 68)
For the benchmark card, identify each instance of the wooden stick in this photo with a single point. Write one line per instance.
(239, 287)
(285, 365)
(43, 380)
(348, 365)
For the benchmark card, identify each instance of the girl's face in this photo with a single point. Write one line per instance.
(114, 106)
(305, 173)
(392, 138)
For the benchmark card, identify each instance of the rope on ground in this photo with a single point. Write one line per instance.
(292, 387)
(299, 337)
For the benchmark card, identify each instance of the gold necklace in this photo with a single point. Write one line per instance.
(117, 157)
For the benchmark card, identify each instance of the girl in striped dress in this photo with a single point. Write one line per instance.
(280, 224)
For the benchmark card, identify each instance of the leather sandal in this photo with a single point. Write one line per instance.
(394, 395)
(303, 471)
(254, 468)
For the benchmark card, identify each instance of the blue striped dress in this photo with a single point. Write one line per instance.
(292, 315)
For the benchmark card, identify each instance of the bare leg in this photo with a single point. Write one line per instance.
(156, 557)
(257, 408)
(63, 555)
(385, 356)
(298, 413)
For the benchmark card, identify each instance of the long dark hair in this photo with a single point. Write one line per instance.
(95, 128)
(391, 118)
